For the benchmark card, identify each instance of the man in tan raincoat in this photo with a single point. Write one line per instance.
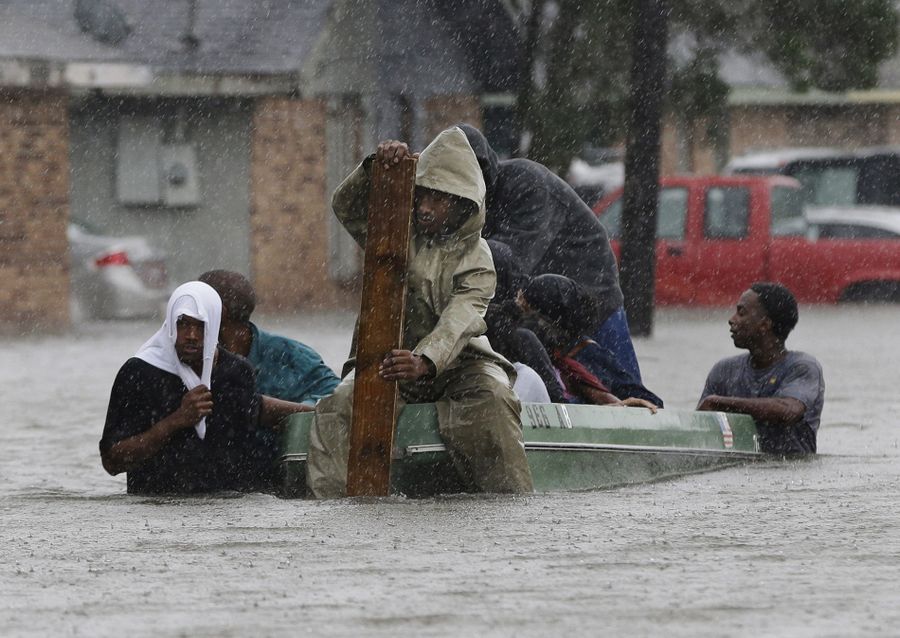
(445, 357)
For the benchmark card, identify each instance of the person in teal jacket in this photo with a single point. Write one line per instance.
(285, 369)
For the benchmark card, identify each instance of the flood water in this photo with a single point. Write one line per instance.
(808, 548)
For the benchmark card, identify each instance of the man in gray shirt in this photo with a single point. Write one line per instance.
(782, 390)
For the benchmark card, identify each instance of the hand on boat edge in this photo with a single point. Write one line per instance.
(633, 402)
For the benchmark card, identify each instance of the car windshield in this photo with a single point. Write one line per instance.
(787, 212)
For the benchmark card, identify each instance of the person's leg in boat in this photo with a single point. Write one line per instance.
(479, 421)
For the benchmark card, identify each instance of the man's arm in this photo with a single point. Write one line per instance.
(275, 411)
(463, 317)
(775, 410)
(350, 201)
(128, 453)
(315, 380)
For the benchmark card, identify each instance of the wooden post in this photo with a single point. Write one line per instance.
(380, 327)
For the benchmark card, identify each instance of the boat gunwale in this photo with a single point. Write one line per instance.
(541, 446)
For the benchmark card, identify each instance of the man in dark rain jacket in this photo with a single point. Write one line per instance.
(552, 231)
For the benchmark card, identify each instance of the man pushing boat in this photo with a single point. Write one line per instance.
(445, 357)
(783, 390)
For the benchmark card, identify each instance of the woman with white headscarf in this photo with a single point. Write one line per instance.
(184, 414)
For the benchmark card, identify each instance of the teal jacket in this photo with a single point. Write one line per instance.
(289, 370)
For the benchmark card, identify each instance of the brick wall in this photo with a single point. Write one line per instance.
(686, 150)
(289, 209)
(757, 127)
(761, 127)
(34, 210)
(892, 124)
(442, 111)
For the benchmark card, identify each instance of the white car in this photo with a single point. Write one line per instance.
(115, 277)
(854, 222)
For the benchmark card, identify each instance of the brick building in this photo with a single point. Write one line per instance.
(262, 107)
(764, 113)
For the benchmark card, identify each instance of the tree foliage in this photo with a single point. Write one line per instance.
(579, 55)
(833, 45)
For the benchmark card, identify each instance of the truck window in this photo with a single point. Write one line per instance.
(787, 212)
(727, 213)
(672, 213)
(879, 180)
(829, 185)
(670, 217)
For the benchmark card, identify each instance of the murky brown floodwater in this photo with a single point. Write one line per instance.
(791, 549)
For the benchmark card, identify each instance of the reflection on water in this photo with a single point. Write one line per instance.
(803, 548)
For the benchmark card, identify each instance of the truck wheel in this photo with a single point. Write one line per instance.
(873, 292)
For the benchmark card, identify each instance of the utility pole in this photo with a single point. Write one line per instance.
(648, 71)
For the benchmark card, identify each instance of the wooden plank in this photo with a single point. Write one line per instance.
(380, 327)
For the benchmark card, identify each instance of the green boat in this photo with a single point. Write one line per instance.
(569, 447)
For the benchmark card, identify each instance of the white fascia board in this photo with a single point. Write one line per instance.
(15, 73)
(24, 73)
(188, 85)
(498, 99)
(106, 75)
(747, 96)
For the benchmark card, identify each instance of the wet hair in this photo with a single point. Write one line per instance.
(780, 306)
(562, 301)
(236, 291)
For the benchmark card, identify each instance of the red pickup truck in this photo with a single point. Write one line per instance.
(716, 235)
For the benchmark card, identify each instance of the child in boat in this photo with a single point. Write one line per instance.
(551, 230)
(536, 379)
(553, 305)
(445, 356)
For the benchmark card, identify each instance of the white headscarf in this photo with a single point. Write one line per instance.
(198, 301)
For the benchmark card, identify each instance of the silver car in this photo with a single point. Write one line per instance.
(115, 277)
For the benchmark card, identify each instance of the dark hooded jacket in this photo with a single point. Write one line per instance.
(565, 304)
(547, 226)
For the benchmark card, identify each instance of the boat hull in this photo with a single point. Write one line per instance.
(569, 447)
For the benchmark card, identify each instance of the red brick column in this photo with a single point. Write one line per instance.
(289, 207)
(442, 111)
(754, 128)
(34, 211)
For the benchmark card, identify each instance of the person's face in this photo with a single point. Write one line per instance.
(749, 322)
(189, 340)
(433, 211)
(522, 302)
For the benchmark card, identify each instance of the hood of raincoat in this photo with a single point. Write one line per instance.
(449, 165)
(487, 158)
(450, 278)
